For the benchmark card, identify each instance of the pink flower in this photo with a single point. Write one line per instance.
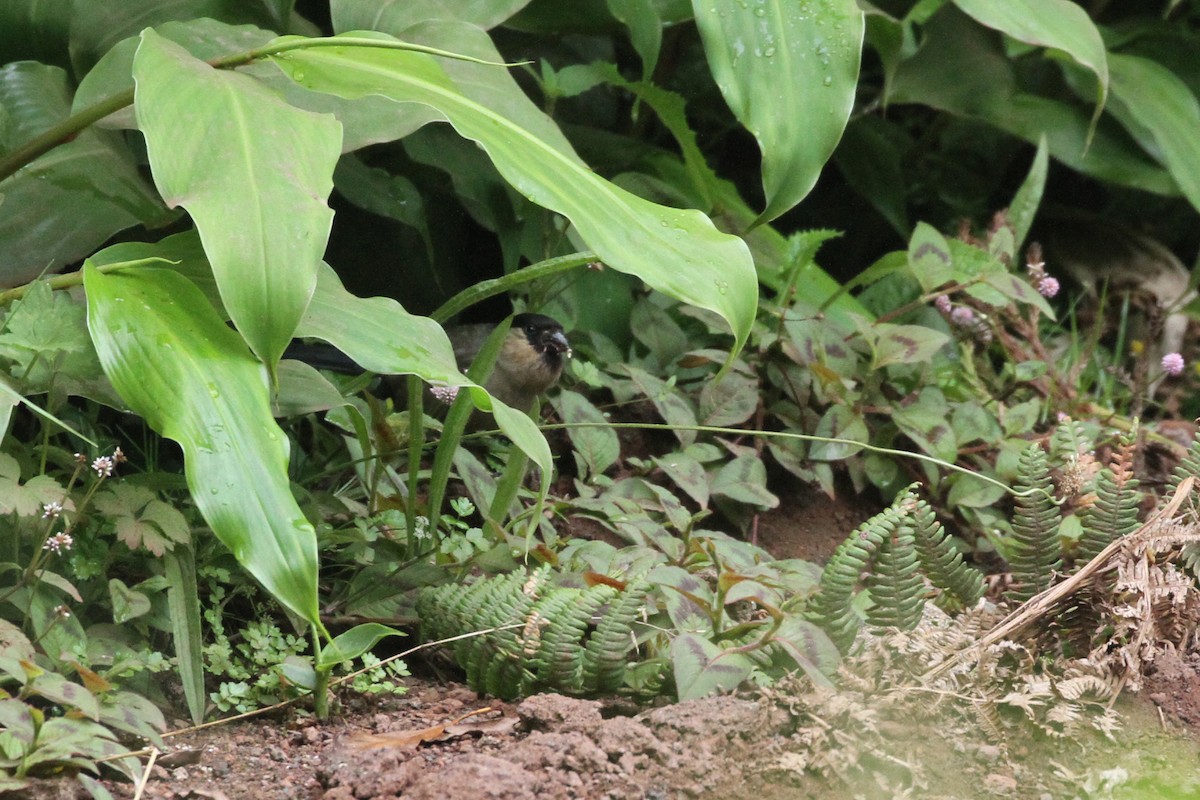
(962, 316)
(1047, 286)
(942, 303)
(1172, 363)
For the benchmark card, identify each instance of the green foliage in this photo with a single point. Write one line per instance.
(248, 669)
(1034, 554)
(1118, 502)
(534, 635)
(727, 614)
(897, 550)
(536, 172)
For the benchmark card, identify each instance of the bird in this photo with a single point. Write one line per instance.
(530, 360)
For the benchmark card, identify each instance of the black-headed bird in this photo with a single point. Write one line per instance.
(530, 361)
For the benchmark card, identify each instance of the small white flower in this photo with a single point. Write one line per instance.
(103, 466)
(52, 510)
(446, 394)
(59, 542)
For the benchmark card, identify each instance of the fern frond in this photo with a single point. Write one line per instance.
(1035, 556)
(1115, 512)
(609, 645)
(550, 650)
(831, 607)
(1189, 465)
(961, 585)
(1068, 440)
(561, 657)
(896, 586)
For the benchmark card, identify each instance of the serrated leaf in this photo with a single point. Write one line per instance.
(141, 519)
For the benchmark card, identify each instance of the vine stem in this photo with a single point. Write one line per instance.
(803, 437)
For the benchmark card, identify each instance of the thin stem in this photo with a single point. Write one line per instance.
(62, 133)
(804, 437)
(485, 289)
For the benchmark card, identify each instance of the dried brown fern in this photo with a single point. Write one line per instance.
(1166, 531)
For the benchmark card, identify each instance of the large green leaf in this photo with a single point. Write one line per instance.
(382, 337)
(393, 16)
(788, 71)
(252, 171)
(1025, 203)
(1058, 24)
(1163, 114)
(178, 365)
(96, 27)
(677, 251)
(961, 67)
(366, 121)
(35, 29)
(645, 30)
(63, 205)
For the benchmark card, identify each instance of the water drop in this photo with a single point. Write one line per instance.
(770, 51)
(828, 81)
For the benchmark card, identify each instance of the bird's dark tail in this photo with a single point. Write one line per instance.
(322, 356)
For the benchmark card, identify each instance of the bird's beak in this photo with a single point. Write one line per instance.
(557, 342)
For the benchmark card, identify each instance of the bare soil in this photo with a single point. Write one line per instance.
(430, 743)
